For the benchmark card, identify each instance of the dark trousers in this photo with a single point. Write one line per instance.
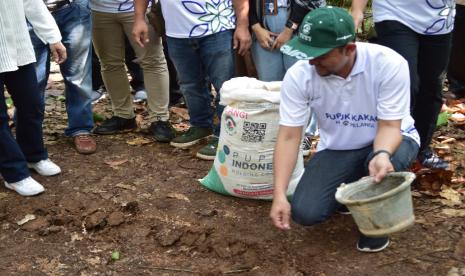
(427, 57)
(456, 69)
(28, 145)
(314, 201)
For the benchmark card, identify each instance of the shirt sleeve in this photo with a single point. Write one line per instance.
(294, 107)
(394, 91)
(300, 8)
(253, 17)
(42, 21)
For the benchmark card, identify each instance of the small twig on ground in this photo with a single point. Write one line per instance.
(430, 209)
(187, 167)
(240, 270)
(415, 256)
(170, 269)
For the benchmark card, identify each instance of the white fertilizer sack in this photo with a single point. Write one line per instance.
(243, 166)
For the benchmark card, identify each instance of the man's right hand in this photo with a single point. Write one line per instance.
(140, 32)
(281, 213)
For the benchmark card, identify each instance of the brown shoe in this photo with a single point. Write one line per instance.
(85, 144)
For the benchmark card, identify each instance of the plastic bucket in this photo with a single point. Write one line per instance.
(381, 208)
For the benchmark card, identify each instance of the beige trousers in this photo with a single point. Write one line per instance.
(108, 39)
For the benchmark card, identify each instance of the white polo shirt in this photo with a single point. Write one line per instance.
(347, 110)
(432, 17)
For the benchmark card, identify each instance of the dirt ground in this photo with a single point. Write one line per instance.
(141, 200)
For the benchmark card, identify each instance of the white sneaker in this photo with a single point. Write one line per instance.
(26, 187)
(140, 96)
(45, 167)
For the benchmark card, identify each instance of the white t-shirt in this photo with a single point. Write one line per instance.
(432, 17)
(113, 6)
(347, 110)
(197, 18)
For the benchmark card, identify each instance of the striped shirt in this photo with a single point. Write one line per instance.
(15, 44)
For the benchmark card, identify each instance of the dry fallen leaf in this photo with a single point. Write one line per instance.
(457, 118)
(181, 112)
(139, 141)
(454, 212)
(181, 127)
(178, 196)
(76, 237)
(114, 163)
(452, 197)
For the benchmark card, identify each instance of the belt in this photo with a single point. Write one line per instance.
(60, 5)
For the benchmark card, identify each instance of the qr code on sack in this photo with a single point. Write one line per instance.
(253, 132)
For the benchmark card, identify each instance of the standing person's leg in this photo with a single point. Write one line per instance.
(217, 55)
(456, 68)
(175, 93)
(75, 26)
(29, 104)
(432, 63)
(404, 41)
(153, 63)
(13, 166)
(137, 76)
(186, 57)
(29, 146)
(97, 81)
(108, 39)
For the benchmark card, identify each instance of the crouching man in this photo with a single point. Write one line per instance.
(360, 94)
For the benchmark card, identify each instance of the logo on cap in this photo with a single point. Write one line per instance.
(306, 28)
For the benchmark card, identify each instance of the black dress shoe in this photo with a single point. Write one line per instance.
(116, 125)
(162, 131)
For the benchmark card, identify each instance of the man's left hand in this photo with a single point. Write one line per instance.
(58, 51)
(380, 166)
(242, 40)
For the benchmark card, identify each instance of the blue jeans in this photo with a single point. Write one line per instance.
(272, 65)
(427, 57)
(28, 145)
(314, 201)
(75, 27)
(199, 60)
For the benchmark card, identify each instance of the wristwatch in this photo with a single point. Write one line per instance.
(291, 25)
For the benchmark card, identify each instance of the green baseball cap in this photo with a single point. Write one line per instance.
(321, 30)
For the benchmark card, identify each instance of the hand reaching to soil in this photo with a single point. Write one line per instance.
(281, 213)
